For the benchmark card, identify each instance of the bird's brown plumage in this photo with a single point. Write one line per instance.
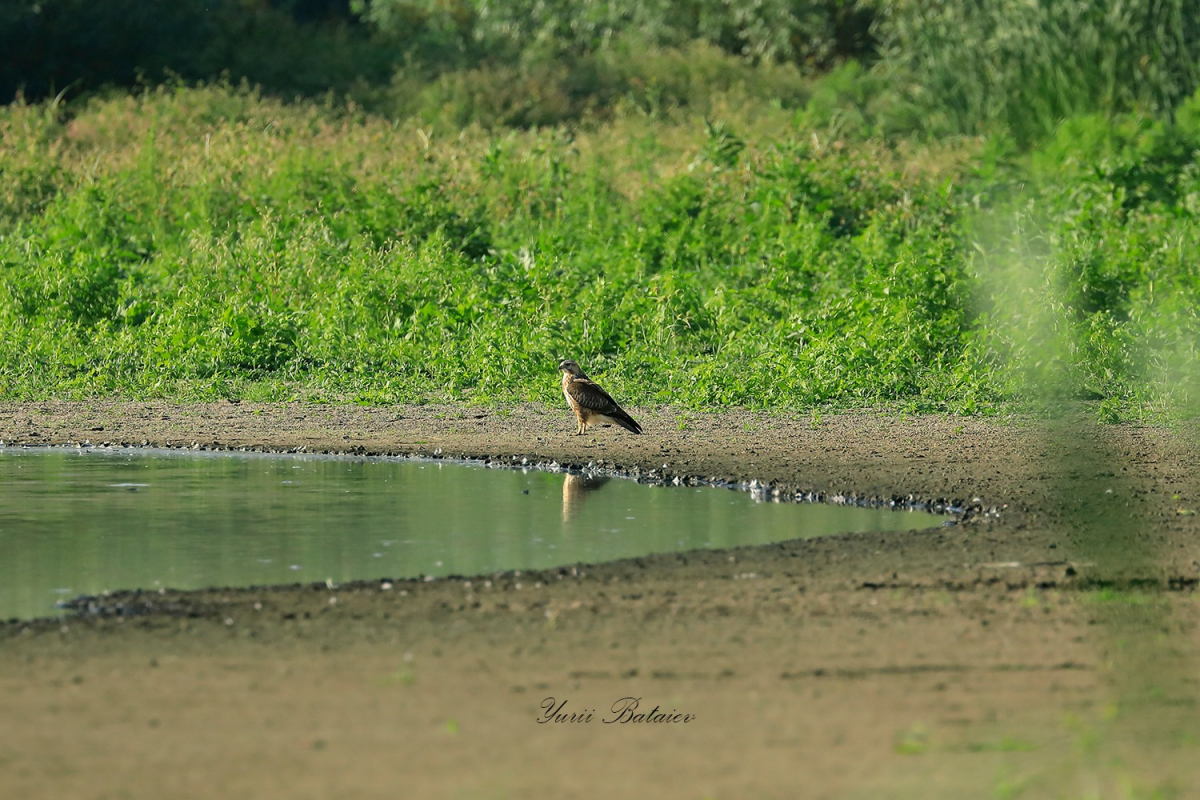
(591, 403)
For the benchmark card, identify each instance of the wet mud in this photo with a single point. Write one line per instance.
(1042, 644)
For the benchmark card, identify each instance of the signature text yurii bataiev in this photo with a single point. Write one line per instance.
(626, 711)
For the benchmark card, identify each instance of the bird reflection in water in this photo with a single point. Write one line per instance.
(576, 489)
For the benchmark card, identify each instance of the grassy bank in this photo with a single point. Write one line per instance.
(718, 232)
(205, 242)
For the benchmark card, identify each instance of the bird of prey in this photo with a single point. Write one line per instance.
(590, 403)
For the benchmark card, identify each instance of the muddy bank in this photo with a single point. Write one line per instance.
(962, 661)
(1026, 486)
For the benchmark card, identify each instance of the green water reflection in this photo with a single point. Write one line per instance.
(80, 522)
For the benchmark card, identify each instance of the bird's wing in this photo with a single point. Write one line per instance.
(592, 397)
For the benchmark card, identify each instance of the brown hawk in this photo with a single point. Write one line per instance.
(591, 404)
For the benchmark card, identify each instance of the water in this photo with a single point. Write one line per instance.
(84, 521)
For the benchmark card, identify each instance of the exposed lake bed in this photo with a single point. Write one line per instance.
(935, 664)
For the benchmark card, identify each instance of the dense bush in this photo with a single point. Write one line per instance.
(812, 32)
(584, 89)
(944, 68)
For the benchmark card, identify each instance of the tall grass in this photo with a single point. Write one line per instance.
(1022, 67)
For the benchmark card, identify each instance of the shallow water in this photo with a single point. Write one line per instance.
(84, 521)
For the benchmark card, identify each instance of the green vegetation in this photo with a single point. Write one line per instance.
(698, 216)
(912, 742)
(1109, 596)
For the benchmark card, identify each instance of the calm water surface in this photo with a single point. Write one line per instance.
(85, 521)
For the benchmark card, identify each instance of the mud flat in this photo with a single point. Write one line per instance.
(1045, 644)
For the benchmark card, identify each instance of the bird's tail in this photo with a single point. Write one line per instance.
(627, 422)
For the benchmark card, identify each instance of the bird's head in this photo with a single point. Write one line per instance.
(571, 368)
